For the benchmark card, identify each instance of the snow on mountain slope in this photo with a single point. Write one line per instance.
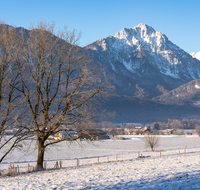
(188, 92)
(195, 55)
(141, 55)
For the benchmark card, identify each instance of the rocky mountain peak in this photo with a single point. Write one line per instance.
(144, 29)
(141, 55)
(145, 37)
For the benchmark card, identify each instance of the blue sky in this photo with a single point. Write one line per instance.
(179, 20)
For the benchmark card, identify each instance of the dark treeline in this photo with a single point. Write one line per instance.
(184, 124)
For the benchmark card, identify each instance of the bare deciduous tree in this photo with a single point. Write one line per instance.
(176, 125)
(162, 126)
(197, 129)
(10, 101)
(130, 128)
(151, 140)
(58, 81)
(113, 131)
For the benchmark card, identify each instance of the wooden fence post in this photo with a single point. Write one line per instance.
(98, 159)
(12, 170)
(107, 158)
(179, 153)
(56, 165)
(18, 169)
(138, 155)
(28, 168)
(116, 158)
(60, 164)
(184, 151)
(77, 162)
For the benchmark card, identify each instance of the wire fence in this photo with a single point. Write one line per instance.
(13, 169)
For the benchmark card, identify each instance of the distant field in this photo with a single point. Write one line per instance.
(67, 150)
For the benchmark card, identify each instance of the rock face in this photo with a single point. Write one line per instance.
(143, 58)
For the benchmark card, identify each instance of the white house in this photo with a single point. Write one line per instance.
(65, 135)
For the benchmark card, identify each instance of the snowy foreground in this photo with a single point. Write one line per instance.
(168, 172)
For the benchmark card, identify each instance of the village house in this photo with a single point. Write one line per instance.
(70, 135)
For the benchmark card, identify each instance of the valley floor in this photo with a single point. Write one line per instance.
(169, 172)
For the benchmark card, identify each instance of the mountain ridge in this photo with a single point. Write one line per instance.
(149, 71)
(140, 51)
(148, 68)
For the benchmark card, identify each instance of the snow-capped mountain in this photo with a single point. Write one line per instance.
(144, 59)
(154, 78)
(195, 55)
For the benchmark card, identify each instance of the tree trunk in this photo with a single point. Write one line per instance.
(40, 158)
(151, 148)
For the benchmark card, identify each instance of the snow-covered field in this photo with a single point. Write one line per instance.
(67, 150)
(171, 171)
